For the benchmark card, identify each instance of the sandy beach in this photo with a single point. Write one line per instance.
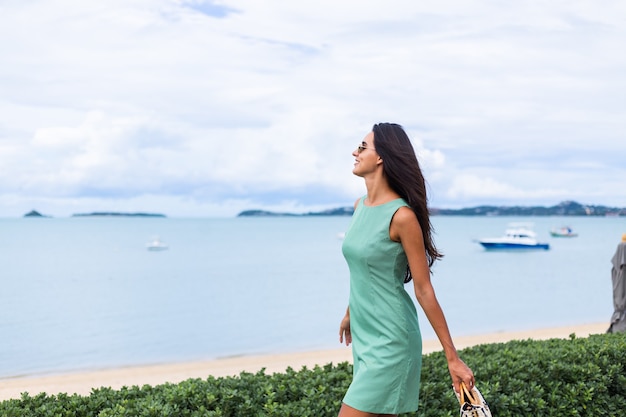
(83, 382)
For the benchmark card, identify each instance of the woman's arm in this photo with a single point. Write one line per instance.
(344, 329)
(406, 229)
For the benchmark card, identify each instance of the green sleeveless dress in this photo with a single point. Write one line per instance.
(386, 339)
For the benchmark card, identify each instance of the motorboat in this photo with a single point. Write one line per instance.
(156, 245)
(564, 231)
(516, 237)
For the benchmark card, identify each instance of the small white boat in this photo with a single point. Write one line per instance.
(156, 245)
(564, 231)
(516, 237)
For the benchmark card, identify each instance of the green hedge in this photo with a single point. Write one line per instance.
(573, 377)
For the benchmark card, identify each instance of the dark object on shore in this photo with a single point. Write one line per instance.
(116, 214)
(34, 213)
(618, 277)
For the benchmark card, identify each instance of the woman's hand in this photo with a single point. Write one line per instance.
(459, 371)
(344, 330)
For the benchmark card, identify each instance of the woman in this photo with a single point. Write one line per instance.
(388, 244)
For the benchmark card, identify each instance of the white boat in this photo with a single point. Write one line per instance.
(564, 231)
(516, 237)
(156, 245)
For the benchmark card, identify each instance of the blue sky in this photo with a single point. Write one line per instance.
(205, 108)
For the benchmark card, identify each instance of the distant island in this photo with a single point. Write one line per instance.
(34, 213)
(565, 208)
(341, 211)
(117, 214)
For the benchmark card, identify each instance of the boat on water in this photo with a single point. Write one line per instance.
(516, 237)
(156, 244)
(564, 231)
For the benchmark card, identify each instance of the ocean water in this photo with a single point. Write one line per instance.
(85, 293)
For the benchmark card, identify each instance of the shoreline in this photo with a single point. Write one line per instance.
(81, 383)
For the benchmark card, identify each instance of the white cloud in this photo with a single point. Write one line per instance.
(201, 105)
(488, 188)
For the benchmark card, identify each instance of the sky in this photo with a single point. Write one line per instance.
(195, 108)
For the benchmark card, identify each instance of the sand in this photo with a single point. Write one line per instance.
(82, 383)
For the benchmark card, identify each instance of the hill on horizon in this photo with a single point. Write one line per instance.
(564, 208)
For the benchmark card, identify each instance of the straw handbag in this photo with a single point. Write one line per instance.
(472, 403)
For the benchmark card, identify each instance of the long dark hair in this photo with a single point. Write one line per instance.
(405, 177)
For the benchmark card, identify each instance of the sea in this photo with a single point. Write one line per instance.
(84, 293)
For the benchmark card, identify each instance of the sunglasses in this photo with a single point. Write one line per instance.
(361, 148)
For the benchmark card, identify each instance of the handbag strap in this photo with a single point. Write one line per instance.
(467, 396)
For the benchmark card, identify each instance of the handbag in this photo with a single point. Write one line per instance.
(472, 403)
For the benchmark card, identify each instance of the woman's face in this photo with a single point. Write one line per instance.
(367, 160)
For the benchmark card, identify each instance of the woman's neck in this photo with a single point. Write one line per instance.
(379, 191)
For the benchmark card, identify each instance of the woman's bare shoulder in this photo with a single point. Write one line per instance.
(404, 223)
(405, 215)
